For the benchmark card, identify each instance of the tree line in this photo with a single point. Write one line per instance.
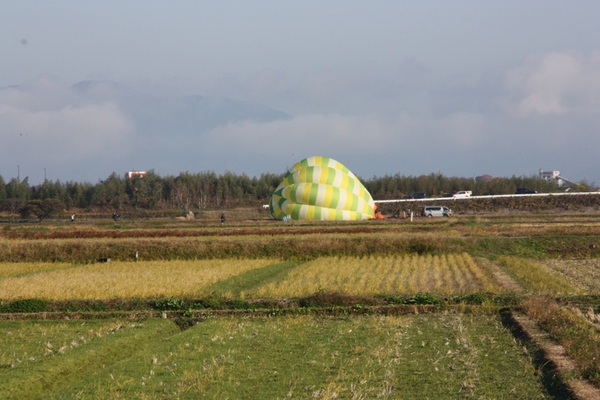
(208, 190)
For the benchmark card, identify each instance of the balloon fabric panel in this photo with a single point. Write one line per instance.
(320, 188)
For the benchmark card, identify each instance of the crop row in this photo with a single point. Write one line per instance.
(408, 274)
(293, 247)
(446, 274)
(127, 280)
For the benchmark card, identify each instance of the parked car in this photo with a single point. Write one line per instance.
(415, 196)
(525, 191)
(462, 194)
(447, 195)
(436, 211)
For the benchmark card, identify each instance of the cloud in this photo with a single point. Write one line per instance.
(267, 84)
(44, 93)
(463, 129)
(557, 83)
(69, 134)
(329, 91)
(43, 122)
(410, 121)
(313, 134)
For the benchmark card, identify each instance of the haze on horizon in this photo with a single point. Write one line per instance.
(463, 88)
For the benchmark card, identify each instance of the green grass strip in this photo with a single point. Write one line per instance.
(251, 279)
(417, 357)
(42, 377)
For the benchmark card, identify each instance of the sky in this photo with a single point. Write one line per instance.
(461, 88)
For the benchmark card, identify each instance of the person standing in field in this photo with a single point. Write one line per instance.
(222, 219)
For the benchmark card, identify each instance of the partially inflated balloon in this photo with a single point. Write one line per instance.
(320, 188)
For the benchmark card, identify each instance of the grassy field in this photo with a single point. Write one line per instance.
(412, 357)
(343, 338)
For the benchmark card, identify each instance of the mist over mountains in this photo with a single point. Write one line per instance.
(93, 128)
(187, 116)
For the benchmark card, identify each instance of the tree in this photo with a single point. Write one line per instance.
(3, 195)
(42, 208)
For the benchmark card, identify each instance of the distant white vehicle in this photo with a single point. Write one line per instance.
(462, 194)
(436, 211)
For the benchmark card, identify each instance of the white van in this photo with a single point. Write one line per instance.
(463, 194)
(436, 211)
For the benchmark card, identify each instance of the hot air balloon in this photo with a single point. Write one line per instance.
(321, 189)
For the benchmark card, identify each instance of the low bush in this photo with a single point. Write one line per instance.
(423, 298)
(169, 304)
(213, 301)
(237, 304)
(332, 299)
(25, 306)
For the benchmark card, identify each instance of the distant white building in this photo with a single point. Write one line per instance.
(135, 174)
(552, 176)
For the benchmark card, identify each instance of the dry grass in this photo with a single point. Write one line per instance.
(534, 235)
(125, 280)
(408, 274)
(583, 273)
(537, 278)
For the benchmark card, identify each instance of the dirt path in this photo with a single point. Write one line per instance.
(558, 361)
(505, 280)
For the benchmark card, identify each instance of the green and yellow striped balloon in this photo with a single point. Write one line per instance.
(321, 189)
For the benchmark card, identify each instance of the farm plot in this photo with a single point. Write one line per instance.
(538, 278)
(122, 280)
(411, 357)
(407, 274)
(403, 274)
(583, 273)
(38, 357)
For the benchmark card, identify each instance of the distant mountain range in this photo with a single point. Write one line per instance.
(183, 115)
